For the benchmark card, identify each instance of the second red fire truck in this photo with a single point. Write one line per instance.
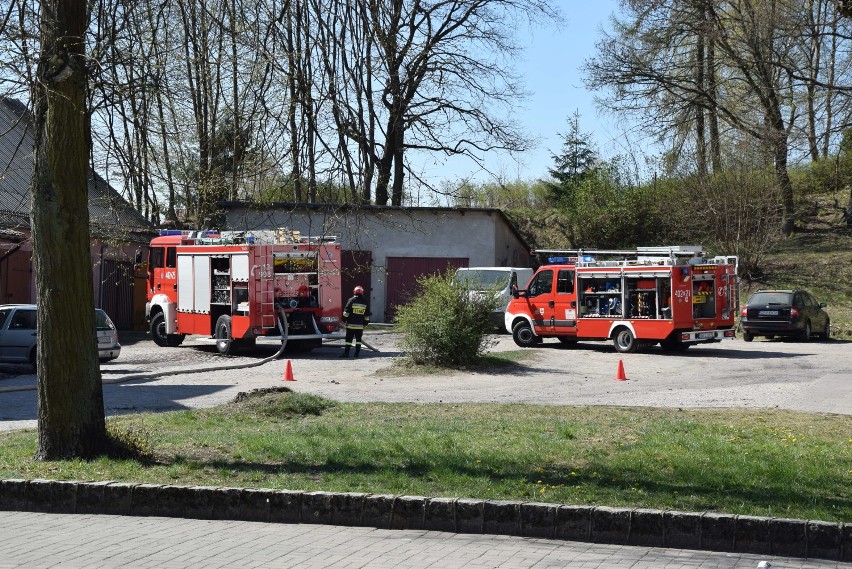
(674, 296)
(237, 287)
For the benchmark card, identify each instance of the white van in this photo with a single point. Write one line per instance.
(501, 279)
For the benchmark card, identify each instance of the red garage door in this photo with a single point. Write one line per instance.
(117, 292)
(356, 268)
(402, 275)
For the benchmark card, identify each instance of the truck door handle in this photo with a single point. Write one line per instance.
(551, 304)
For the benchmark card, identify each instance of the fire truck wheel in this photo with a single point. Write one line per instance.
(158, 330)
(673, 346)
(224, 343)
(175, 340)
(158, 333)
(523, 335)
(624, 341)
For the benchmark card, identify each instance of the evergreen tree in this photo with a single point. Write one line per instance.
(577, 161)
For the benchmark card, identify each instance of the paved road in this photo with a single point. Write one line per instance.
(814, 376)
(36, 540)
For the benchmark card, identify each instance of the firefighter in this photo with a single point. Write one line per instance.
(356, 316)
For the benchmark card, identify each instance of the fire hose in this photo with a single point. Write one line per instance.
(282, 328)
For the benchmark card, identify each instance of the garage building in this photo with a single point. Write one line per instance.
(386, 249)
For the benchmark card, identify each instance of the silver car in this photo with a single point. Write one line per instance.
(18, 334)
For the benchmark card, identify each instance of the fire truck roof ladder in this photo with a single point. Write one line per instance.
(669, 255)
(672, 251)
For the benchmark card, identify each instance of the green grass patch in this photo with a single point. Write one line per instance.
(779, 464)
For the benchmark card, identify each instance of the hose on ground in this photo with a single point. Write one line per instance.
(282, 328)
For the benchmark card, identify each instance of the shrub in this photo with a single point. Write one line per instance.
(445, 324)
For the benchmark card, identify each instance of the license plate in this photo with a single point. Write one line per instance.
(768, 313)
(704, 335)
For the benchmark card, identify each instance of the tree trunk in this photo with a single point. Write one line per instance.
(783, 176)
(70, 396)
(712, 92)
(398, 170)
(698, 105)
(292, 104)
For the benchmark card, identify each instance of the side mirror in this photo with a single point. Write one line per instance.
(520, 293)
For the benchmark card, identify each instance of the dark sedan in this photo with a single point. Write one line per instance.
(787, 313)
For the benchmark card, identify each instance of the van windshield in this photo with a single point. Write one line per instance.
(483, 279)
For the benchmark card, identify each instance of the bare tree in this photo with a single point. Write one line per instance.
(745, 72)
(444, 71)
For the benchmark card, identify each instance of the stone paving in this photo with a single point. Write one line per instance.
(36, 540)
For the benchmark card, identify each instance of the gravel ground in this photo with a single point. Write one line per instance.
(814, 376)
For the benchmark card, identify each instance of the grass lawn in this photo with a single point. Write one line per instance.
(777, 463)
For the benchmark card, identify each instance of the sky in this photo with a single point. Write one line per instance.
(551, 72)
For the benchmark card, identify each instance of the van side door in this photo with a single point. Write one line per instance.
(540, 299)
(565, 303)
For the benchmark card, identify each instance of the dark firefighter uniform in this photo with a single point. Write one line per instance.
(356, 316)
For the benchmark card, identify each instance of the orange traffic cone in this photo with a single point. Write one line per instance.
(288, 372)
(619, 376)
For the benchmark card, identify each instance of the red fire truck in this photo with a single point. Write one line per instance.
(674, 296)
(238, 287)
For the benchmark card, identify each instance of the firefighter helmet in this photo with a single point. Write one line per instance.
(358, 290)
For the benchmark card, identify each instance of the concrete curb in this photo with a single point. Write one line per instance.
(643, 527)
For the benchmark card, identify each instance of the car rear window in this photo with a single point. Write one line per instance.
(102, 321)
(771, 298)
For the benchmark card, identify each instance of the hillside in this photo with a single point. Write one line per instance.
(818, 259)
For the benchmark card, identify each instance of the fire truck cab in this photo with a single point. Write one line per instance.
(674, 296)
(237, 288)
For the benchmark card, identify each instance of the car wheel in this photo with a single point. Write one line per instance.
(747, 336)
(826, 331)
(805, 334)
(224, 342)
(524, 336)
(624, 341)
